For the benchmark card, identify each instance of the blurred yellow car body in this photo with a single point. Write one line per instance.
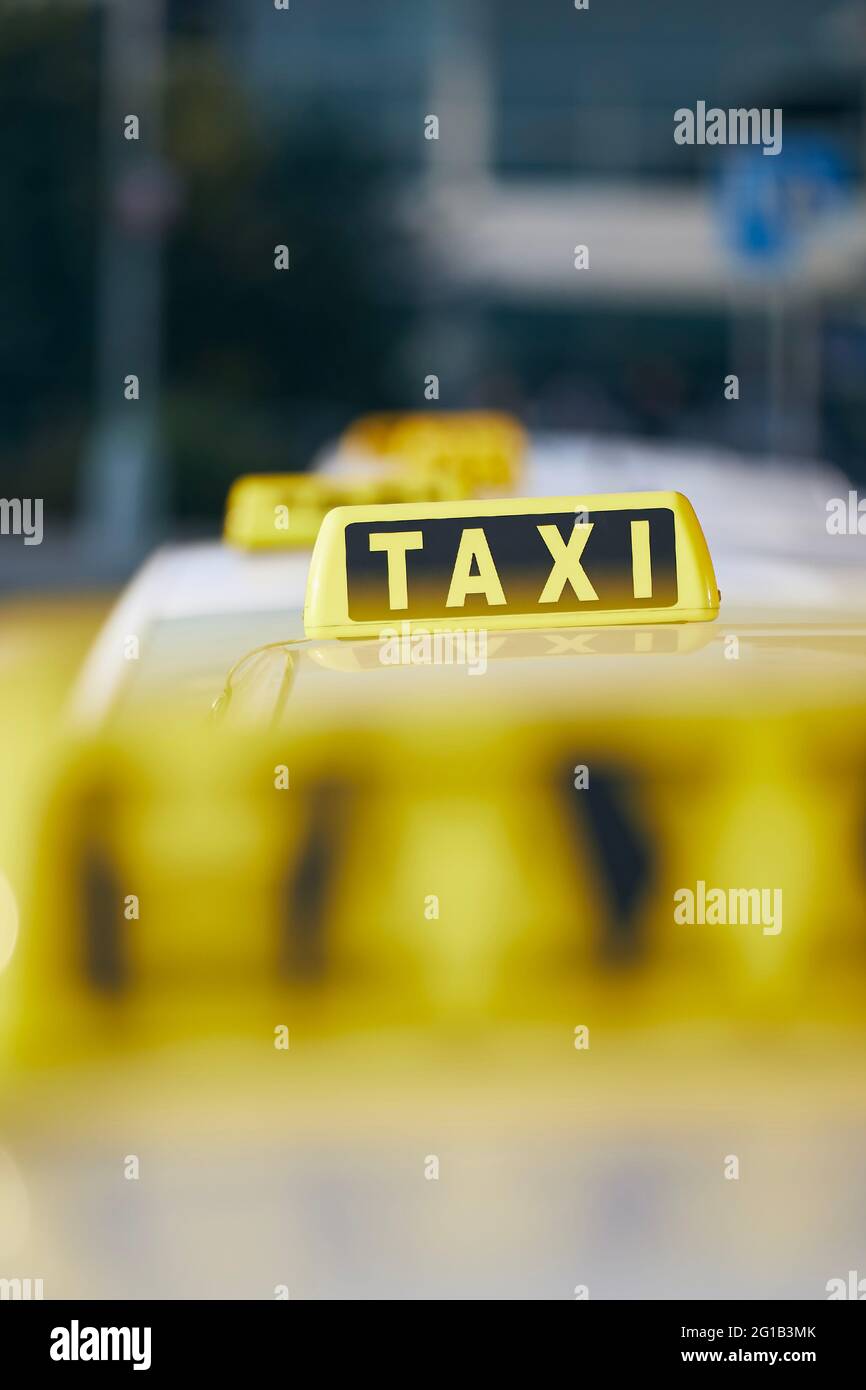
(302, 919)
(544, 809)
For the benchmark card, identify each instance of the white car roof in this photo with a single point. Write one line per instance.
(765, 523)
(190, 581)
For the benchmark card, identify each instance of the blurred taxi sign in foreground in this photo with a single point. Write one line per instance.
(190, 887)
(511, 563)
(284, 510)
(483, 449)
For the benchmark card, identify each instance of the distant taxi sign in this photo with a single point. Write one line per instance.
(509, 564)
(284, 510)
(483, 448)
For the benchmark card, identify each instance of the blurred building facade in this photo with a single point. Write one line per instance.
(411, 256)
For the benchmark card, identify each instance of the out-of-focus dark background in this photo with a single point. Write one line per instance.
(305, 127)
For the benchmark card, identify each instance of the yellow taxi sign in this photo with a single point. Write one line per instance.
(284, 510)
(483, 448)
(510, 564)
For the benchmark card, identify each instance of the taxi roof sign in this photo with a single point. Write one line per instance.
(267, 511)
(510, 564)
(483, 448)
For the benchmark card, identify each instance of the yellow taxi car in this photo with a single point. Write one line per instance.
(473, 874)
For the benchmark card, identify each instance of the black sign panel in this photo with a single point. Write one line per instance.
(510, 558)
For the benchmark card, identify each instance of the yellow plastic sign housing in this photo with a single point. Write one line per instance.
(283, 511)
(481, 448)
(510, 564)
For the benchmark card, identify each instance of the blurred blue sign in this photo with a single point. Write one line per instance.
(770, 208)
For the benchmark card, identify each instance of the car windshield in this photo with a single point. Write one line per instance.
(188, 659)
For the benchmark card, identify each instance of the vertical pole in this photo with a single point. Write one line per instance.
(122, 499)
